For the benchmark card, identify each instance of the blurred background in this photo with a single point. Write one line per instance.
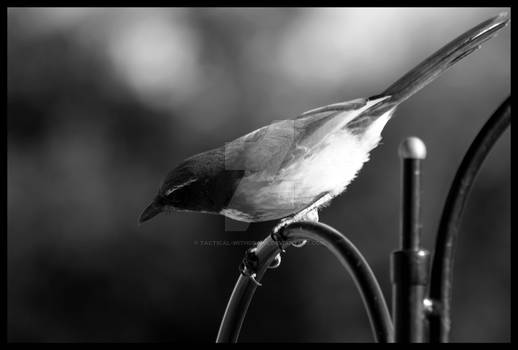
(103, 102)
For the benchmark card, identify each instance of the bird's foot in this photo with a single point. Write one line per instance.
(277, 230)
(276, 262)
(277, 233)
(299, 244)
(305, 215)
(248, 266)
(277, 237)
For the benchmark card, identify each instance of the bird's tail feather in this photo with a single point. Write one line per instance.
(433, 66)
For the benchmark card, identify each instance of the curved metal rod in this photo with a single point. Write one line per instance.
(342, 248)
(442, 268)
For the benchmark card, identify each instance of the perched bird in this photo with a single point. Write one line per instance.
(291, 168)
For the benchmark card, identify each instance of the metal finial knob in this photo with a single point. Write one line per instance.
(413, 148)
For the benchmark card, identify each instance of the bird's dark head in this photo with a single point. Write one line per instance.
(194, 185)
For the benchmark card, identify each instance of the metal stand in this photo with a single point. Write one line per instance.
(410, 265)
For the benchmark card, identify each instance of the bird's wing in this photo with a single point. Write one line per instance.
(263, 150)
(316, 125)
(334, 108)
(268, 149)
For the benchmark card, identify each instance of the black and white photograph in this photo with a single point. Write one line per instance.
(258, 174)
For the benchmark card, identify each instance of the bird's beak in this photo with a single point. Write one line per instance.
(152, 210)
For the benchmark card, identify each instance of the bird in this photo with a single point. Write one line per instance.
(290, 169)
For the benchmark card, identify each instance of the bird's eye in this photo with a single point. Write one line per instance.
(168, 192)
(177, 187)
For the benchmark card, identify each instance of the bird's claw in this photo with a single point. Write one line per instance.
(249, 265)
(276, 262)
(282, 225)
(252, 276)
(277, 235)
(279, 239)
(299, 244)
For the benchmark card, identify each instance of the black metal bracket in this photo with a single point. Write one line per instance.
(442, 267)
(348, 255)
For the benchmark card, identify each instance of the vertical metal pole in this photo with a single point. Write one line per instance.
(410, 263)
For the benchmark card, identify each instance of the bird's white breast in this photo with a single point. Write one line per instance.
(328, 168)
